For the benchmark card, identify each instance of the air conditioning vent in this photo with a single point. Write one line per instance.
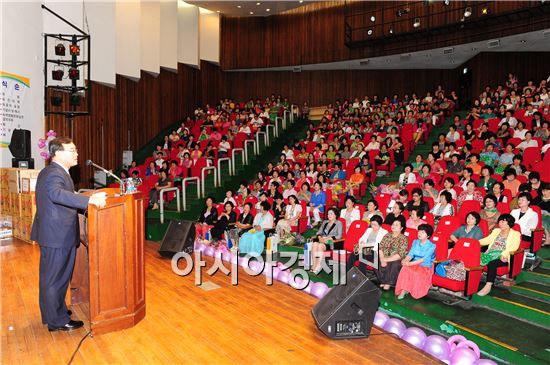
(449, 50)
(405, 57)
(364, 63)
(546, 33)
(297, 69)
(494, 44)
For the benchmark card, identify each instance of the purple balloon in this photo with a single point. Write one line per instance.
(296, 282)
(209, 251)
(437, 346)
(415, 336)
(453, 341)
(380, 318)
(319, 290)
(242, 261)
(395, 325)
(284, 276)
(470, 345)
(201, 247)
(462, 356)
(485, 362)
(226, 256)
(255, 266)
(308, 288)
(276, 273)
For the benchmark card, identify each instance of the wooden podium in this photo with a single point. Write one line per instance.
(109, 273)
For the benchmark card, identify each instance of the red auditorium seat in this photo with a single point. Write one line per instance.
(448, 224)
(469, 252)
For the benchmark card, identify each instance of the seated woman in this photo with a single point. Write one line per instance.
(355, 180)
(415, 218)
(498, 188)
(489, 212)
(443, 207)
(468, 230)
(543, 202)
(252, 242)
(391, 250)
(469, 194)
(330, 230)
(293, 212)
(502, 241)
(163, 182)
(415, 276)
(350, 213)
(152, 169)
(486, 181)
(372, 210)
(417, 200)
(426, 173)
(279, 208)
(208, 217)
(226, 220)
(317, 202)
(525, 216)
(368, 243)
(408, 176)
(396, 211)
(244, 223)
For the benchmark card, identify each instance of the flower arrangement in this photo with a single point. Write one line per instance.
(43, 144)
(390, 189)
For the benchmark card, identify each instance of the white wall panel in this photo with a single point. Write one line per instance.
(169, 34)
(101, 16)
(150, 35)
(128, 39)
(209, 35)
(188, 34)
(22, 53)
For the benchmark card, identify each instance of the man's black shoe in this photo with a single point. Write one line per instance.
(72, 325)
(70, 312)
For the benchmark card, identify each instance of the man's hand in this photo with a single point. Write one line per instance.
(98, 199)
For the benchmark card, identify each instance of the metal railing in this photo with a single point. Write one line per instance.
(245, 144)
(233, 155)
(203, 178)
(294, 108)
(161, 202)
(277, 120)
(183, 189)
(267, 127)
(258, 141)
(220, 160)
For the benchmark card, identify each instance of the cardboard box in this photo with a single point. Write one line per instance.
(27, 180)
(15, 204)
(28, 205)
(13, 180)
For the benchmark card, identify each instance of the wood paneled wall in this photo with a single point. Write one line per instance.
(491, 68)
(130, 115)
(314, 33)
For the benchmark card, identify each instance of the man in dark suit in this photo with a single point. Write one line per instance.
(56, 230)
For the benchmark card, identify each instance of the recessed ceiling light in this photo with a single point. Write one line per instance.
(372, 18)
(217, 11)
(523, 41)
(267, 9)
(238, 6)
(369, 32)
(258, 3)
(251, 13)
(301, 1)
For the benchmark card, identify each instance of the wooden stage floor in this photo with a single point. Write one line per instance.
(250, 323)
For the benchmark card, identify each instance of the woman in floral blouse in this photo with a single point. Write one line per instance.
(392, 249)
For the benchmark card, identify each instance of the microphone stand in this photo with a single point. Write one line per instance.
(122, 187)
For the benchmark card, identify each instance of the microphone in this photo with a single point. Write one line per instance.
(91, 163)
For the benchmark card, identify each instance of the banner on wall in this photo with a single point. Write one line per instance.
(14, 104)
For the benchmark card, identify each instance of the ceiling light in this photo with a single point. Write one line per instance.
(447, 2)
(391, 30)
(301, 1)
(369, 32)
(217, 11)
(251, 13)
(523, 41)
(416, 23)
(238, 6)
(372, 18)
(258, 3)
(268, 9)
(484, 11)
(467, 12)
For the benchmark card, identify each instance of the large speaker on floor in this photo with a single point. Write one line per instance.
(347, 311)
(179, 237)
(20, 143)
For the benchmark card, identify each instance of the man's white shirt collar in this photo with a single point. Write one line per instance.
(64, 168)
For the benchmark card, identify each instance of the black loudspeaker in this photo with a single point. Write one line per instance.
(20, 144)
(179, 237)
(347, 311)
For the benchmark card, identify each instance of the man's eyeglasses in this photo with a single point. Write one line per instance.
(71, 151)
